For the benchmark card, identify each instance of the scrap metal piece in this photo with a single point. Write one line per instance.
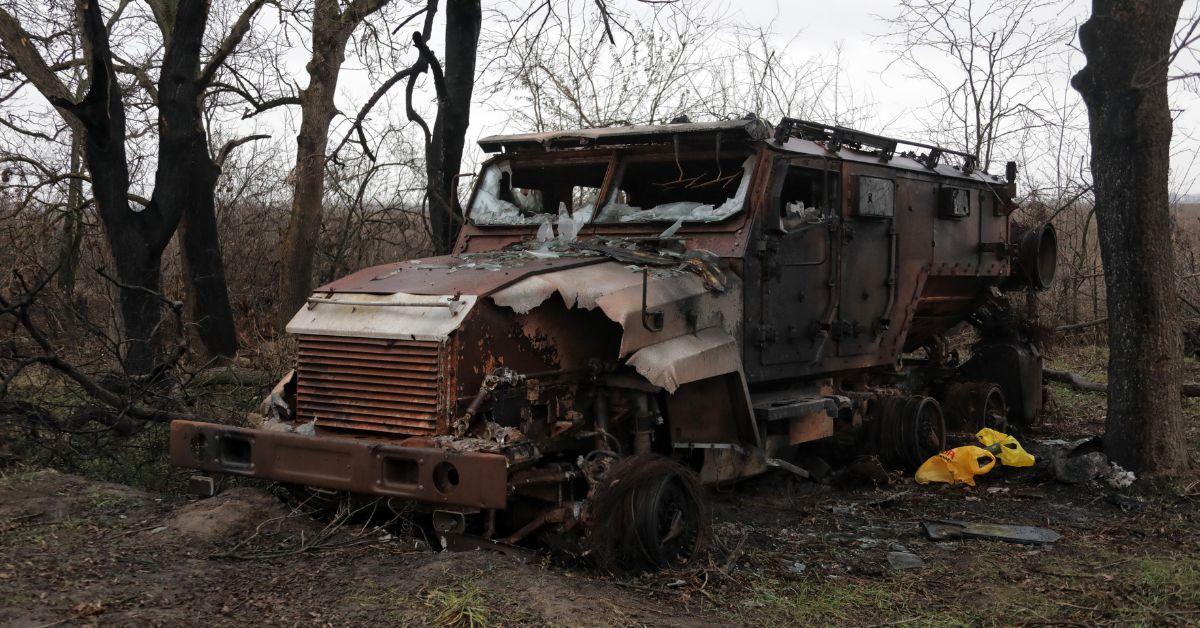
(202, 485)
(776, 463)
(943, 529)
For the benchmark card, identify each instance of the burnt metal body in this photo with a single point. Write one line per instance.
(814, 310)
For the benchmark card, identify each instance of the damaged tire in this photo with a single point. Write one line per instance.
(648, 512)
(972, 406)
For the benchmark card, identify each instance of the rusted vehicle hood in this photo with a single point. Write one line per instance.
(428, 299)
(478, 274)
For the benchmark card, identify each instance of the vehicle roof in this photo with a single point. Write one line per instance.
(750, 128)
(903, 161)
(753, 130)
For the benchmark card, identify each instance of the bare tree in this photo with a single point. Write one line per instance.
(454, 82)
(1124, 84)
(187, 174)
(983, 58)
(568, 73)
(661, 63)
(332, 27)
(186, 177)
(137, 238)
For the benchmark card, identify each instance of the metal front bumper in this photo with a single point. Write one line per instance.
(426, 474)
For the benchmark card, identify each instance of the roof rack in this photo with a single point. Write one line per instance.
(835, 137)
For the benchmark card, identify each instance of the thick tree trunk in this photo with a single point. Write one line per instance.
(444, 156)
(136, 239)
(1125, 88)
(331, 30)
(186, 181)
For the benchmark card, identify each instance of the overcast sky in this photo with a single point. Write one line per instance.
(815, 27)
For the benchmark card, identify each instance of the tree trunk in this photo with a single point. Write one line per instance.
(304, 226)
(136, 239)
(1124, 85)
(331, 30)
(186, 181)
(444, 157)
(72, 234)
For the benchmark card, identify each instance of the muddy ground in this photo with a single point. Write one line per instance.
(77, 551)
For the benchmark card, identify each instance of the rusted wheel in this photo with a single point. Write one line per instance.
(648, 512)
(667, 518)
(907, 430)
(995, 409)
(924, 430)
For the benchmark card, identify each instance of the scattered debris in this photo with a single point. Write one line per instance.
(816, 466)
(904, 560)
(1118, 477)
(864, 471)
(1085, 461)
(1125, 502)
(1080, 469)
(942, 529)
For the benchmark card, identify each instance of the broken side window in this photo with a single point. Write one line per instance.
(808, 195)
(678, 190)
(515, 193)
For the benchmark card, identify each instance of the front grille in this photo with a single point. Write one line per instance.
(367, 386)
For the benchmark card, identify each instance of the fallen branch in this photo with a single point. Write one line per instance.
(1079, 382)
(19, 309)
(233, 376)
(1066, 328)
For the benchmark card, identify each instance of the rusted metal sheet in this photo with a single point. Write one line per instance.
(437, 476)
(479, 274)
(392, 316)
(810, 427)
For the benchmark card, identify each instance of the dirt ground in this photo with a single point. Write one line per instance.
(78, 551)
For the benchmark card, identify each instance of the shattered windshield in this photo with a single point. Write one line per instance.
(646, 189)
(514, 193)
(683, 190)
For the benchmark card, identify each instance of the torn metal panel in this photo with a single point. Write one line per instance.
(688, 358)
(394, 316)
(681, 296)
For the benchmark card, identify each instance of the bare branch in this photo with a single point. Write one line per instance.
(232, 144)
(231, 41)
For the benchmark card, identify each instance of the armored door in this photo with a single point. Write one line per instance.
(796, 256)
(867, 264)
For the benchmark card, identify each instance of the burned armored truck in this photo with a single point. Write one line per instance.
(631, 313)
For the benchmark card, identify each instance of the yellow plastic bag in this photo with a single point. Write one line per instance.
(1010, 452)
(960, 464)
